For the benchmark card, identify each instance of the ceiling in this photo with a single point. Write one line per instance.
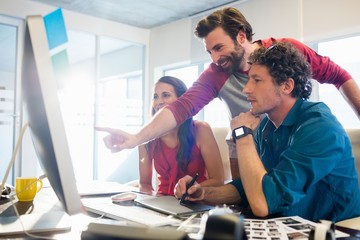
(139, 13)
(145, 14)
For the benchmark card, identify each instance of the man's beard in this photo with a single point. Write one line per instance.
(235, 59)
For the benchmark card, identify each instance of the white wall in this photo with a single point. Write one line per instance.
(326, 19)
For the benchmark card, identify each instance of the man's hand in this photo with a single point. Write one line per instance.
(117, 139)
(247, 119)
(195, 192)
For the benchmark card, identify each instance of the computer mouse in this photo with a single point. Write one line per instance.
(123, 197)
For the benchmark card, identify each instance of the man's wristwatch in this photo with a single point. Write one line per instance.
(240, 132)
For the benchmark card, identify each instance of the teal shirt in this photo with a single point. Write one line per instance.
(310, 166)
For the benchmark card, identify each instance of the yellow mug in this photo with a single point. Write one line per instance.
(27, 187)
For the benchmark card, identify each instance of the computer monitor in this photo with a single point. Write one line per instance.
(40, 98)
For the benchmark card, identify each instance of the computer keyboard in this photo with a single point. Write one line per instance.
(101, 230)
(133, 213)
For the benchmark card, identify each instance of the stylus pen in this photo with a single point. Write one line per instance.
(182, 200)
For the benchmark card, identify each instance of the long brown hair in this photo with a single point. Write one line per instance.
(186, 131)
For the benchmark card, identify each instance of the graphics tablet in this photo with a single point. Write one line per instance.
(170, 205)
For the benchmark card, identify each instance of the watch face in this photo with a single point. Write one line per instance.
(239, 131)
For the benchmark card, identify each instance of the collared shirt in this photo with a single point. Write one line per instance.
(310, 167)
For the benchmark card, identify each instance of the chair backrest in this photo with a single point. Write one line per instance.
(354, 135)
(220, 134)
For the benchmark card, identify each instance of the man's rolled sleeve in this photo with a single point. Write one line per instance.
(239, 187)
(273, 196)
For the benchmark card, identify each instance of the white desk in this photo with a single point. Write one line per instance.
(47, 203)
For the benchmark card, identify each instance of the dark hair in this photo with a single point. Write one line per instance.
(230, 19)
(285, 61)
(186, 131)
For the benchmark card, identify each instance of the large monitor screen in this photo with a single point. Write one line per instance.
(39, 89)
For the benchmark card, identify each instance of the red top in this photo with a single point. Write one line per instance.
(166, 166)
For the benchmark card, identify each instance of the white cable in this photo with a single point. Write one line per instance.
(18, 144)
(18, 215)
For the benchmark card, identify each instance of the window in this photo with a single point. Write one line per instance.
(343, 52)
(77, 99)
(120, 105)
(104, 88)
(10, 32)
(97, 73)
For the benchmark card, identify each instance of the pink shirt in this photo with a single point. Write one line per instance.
(166, 166)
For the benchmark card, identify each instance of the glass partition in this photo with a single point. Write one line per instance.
(77, 98)
(104, 87)
(120, 104)
(9, 118)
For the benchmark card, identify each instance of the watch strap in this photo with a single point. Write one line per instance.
(241, 132)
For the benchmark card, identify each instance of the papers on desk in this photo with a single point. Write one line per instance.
(281, 228)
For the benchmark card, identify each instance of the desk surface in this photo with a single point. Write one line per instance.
(46, 201)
